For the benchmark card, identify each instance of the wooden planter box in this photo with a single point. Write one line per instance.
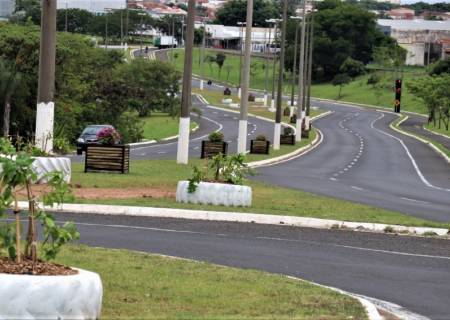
(259, 147)
(210, 149)
(286, 112)
(115, 158)
(287, 139)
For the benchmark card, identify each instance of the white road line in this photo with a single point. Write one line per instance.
(333, 179)
(161, 152)
(357, 188)
(360, 248)
(416, 167)
(414, 200)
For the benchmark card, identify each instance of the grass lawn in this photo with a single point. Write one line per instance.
(267, 199)
(144, 286)
(357, 91)
(160, 125)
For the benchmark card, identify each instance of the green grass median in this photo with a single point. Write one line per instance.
(161, 125)
(144, 286)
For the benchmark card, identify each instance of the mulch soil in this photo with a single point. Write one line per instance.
(39, 268)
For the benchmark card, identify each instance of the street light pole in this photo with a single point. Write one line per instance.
(46, 83)
(66, 19)
(242, 135)
(272, 102)
(277, 127)
(301, 79)
(106, 30)
(202, 57)
(183, 137)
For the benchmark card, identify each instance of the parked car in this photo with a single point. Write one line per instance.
(89, 136)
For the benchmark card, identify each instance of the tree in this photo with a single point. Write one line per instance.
(220, 59)
(352, 67)
(373, 79)
(78, 20)
(234, 11)
(9, 81)
(341, 80)
(228, 68)
(210, 60)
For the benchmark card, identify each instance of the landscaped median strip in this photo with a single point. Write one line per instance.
(150, 142)
(395, 126)
(241, 217)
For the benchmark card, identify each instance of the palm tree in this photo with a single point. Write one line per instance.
(9, 81)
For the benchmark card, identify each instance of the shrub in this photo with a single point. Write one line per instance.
(108, 136)
(261, 137)
(251, 97)
(131, 127)
(215, 136)
(288, 131)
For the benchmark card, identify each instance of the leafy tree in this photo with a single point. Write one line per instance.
(373, 79)
(341, 80)
(234, 11)
(352, 67)
(210, 60)
(440, 67)
(78, 20)
(228, 68)
(9, 82)
(220, 59)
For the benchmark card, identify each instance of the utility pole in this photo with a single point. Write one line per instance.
(294, 67)
(46, 83)
(311, 42)
(65, 29)
(301, 78)
(272, 102)
(241, 35)
(106, 30)
(202, 57)
(266, 71)
(126, 28)
(277, 127)
(183, 137)
(242, 135)
(121, 27)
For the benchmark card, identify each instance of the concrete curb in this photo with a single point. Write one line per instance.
(238, 217)
(438, 134)
(150, 142)
(431, 145)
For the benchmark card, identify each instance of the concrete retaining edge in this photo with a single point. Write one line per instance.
(238, 217)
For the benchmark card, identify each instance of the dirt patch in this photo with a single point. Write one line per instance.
(106, 193)
(109, 193)
(39, 268)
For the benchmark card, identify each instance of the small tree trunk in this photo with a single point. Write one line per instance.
(340, 90)
(6, 117)
(17, 216)
(31, 236)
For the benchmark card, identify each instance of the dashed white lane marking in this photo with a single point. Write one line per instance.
(357, 188)
(414, 200)
(333, 179)
(162, 152)
(143, 154)
(359, 248)
(225, 115)
(215, 112)
(416, 167)
(196, 148)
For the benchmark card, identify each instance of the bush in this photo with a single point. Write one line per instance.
(251, 97)
(288, 131)
(130, 127)
(261, 137)
(215, 136)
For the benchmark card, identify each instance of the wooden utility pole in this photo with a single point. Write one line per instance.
(277, 127)
(184, 127)
(46, 83)
(242, 134)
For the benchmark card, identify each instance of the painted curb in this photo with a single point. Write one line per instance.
(438, 134)
(395, 127)
(236, 217)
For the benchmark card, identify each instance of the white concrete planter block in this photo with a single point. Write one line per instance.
(259, 100)
(45, 165)
(215, 193)
(227, 101)
(51, 297)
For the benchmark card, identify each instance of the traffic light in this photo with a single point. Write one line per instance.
(398, 95)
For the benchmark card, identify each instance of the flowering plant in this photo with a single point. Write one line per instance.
(108, 136)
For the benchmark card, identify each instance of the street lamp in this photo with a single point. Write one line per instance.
(240, 24)
(202, 56)
(272, 103)
(277, 127)
(308, 91)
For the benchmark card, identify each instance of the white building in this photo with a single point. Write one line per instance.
(425, 41)
(6, 8)
(94, 6)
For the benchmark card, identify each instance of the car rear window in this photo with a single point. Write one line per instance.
(92, 130)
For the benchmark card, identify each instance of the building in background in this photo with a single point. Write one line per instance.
(426, 41)
(155, 9)
(94, 6)
(401, 14)
(6, 8)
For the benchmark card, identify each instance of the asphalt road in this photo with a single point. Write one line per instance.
(414, 124)
(408, 271)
